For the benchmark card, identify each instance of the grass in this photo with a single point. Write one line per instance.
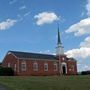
(46, 83)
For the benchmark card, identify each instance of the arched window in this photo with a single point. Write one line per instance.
(45, 66)
(55, 66)
(35, 66)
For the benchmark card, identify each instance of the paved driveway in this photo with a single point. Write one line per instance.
(2, 87)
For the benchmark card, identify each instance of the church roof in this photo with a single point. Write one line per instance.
(27, 55)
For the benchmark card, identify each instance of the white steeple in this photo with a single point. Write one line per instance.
(59, 48)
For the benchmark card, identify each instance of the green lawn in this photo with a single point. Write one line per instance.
(46, 83)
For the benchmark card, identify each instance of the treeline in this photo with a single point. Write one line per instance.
(85, 72)
(6, 71)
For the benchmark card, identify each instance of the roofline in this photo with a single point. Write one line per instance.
(7, 54)
(31, 52)
(12, 54)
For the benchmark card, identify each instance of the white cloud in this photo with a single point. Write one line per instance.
(83, 26)
(86, 42)
(7, 24)
(45, 18)
(82, 52)
(88, 7)
(22, 7)
(80, 28)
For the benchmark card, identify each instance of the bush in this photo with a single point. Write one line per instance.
(6, 71)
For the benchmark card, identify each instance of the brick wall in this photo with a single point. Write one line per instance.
(9, 58)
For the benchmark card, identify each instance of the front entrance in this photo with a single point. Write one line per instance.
(64, 70)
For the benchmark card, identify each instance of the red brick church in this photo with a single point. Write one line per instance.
(28, 64)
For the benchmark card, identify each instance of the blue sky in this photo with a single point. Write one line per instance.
(31, 26)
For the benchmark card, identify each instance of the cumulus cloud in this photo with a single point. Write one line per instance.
(82, 52)
(45, 18)
(7, 24)
(86, 42)
(88, 7)
(80, 28)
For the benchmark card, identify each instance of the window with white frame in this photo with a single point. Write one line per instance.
(35, 66)
(9, 65)
(55, 67)
(23, 66)
(46, 67)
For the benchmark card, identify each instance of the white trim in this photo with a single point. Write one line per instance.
(8, 53)
(63, 64)
(39, 59)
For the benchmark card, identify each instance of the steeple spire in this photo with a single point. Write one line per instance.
(59, 48)
(59, 40)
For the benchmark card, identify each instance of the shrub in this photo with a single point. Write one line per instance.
(6, 71)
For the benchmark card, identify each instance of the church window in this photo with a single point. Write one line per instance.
(46, 67)
(35, 66)
(23, 66)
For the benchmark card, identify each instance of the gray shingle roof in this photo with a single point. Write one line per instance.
(33, 55)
